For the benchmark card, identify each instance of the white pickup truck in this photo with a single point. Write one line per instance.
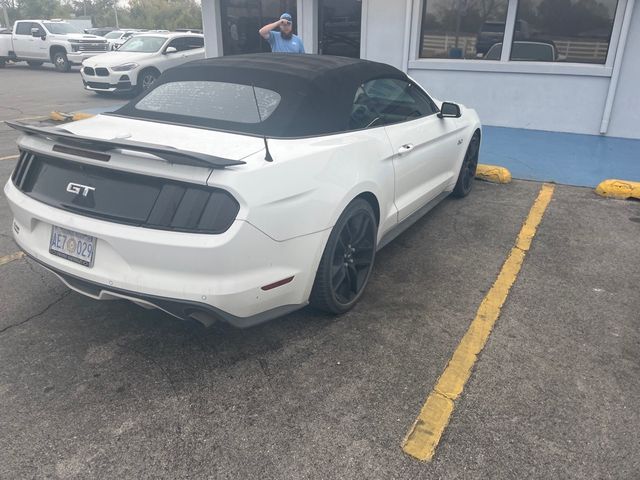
(49, 41)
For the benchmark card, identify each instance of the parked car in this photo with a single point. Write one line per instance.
(533, 51)
(492, 32)
(240, 188)
(48, 41)
(100, 31)
(137, 64)
(117, 37)
(188, 30)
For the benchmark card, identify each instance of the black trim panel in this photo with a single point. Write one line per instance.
(410, 220)
(123, 197)
(182, 309)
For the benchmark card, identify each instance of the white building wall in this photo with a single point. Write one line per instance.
(307, 24)
(625, 116)
(384, 32)
(560, 103)
(212, 28)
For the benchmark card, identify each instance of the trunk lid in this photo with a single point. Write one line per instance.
(219, 144)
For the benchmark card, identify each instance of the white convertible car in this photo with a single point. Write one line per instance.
(140, 61)
(240, 188)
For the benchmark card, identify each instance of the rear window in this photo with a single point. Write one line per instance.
(208, 100)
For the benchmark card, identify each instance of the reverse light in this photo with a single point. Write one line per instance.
(124, 67)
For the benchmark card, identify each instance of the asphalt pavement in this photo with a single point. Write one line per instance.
(28, 93)
(109, 390)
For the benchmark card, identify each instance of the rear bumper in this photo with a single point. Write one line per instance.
(181, 273)
(182, 309)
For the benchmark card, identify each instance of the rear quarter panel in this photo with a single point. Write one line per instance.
(311, 181)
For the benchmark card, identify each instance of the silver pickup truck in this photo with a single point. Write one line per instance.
(49, 41)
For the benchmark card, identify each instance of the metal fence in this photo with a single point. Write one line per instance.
(569, 49)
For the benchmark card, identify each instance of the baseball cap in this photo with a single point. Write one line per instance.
(286, 16)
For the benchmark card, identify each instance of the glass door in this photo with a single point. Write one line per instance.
(241, 20)
(339, 23)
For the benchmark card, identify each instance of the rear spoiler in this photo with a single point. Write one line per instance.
(170, 154)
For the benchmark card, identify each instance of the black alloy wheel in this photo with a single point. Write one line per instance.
(468, 169)
(347, 260)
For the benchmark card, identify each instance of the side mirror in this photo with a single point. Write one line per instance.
(449, 110)
(170, 50)
(35, 32)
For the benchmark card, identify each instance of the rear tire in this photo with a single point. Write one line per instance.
(347, 261)
(34, 64)
(468, 169)
(61, 62)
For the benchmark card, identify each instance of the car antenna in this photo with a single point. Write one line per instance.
(267, 156)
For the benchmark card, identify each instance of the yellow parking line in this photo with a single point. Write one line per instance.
(10, 157)
(10, 258)
(424, 436)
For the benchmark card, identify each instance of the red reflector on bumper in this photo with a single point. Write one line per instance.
(279, 283)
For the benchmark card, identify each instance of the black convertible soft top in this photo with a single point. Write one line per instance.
(317, 91)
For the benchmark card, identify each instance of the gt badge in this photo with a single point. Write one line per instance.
(79, 189)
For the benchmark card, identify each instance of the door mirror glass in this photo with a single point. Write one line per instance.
(449, 110)
(171, 50)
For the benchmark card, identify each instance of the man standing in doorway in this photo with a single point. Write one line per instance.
(283, 41)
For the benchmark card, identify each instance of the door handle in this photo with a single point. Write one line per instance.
(407, 147)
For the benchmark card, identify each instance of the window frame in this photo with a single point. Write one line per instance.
(505, 65)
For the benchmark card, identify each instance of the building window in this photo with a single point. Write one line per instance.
(463, 29)
(574, 31)
(339, 27)
(241, 20)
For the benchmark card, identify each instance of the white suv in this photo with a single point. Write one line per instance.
(118, 37)
(139, 62)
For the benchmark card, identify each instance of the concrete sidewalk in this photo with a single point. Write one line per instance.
(565, 158)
